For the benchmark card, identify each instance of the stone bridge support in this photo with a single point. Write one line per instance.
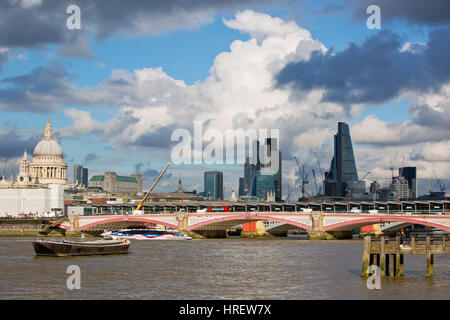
(318, 232)
(183, 220)
(183, 226)
(74, 224)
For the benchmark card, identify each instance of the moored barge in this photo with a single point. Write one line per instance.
(64, 248)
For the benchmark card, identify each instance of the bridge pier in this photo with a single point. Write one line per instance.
(254, 229)
(183, 219)
(74, 224)
(318, 232)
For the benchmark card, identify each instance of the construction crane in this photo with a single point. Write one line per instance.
(321, 173)
(4, 170)
(138, 209)
(393, 162)
(438, 182)
(303, 176)
(315, 182)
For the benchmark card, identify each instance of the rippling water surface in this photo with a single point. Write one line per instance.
(215, 269)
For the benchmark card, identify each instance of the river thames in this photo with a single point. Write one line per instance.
(215, 269)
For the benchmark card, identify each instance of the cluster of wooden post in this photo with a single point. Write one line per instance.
(391, 260)
(390, 264)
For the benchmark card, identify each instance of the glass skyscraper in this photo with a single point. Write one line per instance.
(342, 176)
(80, 175)
(410, 174)
(251, 169)
(213, 184)
(257, 181)
(242, 187)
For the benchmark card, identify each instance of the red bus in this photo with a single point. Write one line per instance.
(218, 209)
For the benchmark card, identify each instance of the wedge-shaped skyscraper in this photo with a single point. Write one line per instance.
(342, 177)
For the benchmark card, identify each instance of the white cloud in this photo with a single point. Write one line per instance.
(240, 93)
(83, 123)
(26, 4)
(436, 152)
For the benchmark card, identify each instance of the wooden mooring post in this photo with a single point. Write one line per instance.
(388, 254)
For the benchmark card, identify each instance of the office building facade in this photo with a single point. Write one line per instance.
(410, 174)
(242, 187)
(213, 185)
(342, 178)
(80, 175)
(111, 182)
(270, 184)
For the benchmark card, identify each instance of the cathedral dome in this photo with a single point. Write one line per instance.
(47, 148)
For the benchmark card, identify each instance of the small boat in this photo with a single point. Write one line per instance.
(63, 248)
(235, 232)
(145, 234)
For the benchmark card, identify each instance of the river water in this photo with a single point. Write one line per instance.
(215, 269)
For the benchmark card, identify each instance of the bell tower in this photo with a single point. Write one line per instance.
(24, 170)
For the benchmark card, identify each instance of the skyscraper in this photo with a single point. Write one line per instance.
(84, 178)
(399, 189)
(242, 187)
(80, 175)
(409, 173)
(270, 183)
(213, 184)
(342, 177)
(251, 169)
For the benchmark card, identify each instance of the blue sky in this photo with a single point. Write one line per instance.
(186, 48)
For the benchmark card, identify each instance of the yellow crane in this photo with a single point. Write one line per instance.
(151, 188)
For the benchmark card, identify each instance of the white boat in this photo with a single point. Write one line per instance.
(146, 234)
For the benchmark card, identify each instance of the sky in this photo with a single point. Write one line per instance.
(117, 88)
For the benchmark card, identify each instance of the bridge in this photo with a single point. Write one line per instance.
(318, 224)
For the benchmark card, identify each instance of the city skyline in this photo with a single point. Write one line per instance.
(247, 77)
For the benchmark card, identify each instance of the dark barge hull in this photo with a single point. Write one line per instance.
(55, 248)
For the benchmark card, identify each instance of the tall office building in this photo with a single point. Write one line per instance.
(410, 174)
(399, 189)
(213, 184)
(342, 176)
(242, 187)
(251, 169)
(268, 184)
(84, 178)
(80, 175)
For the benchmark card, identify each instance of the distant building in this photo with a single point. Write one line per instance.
(80, 176)
(410, 174)
(32, 200)
(242, 187)
(251, 169)
(268, 185)
(111, 182)
(85, 177)
(46, 166)
(399, 189)
(213, 184)
(374, 187)
(343, 176)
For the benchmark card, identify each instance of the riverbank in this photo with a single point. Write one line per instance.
(35, 233)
